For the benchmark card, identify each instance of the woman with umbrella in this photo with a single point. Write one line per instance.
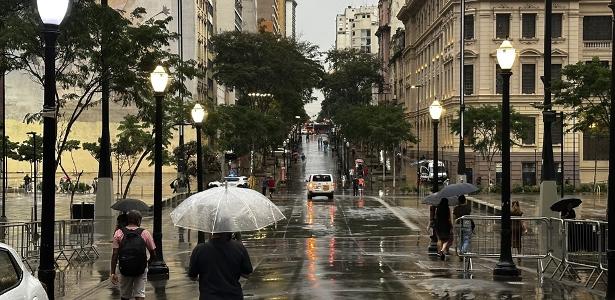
(443, 228)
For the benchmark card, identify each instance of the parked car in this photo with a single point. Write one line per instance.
(320, 185)
(16, 281)
(234, 181)
(427, 171)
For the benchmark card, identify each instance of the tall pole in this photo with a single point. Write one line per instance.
(432, 249)
(199, 170)
(461, 165)
(4, 145)
(418, 145)
(506, 265)
(181, 160)
(610, 291)
(104, 189)
(561, 154)
(34, 176)
(46, 271)
(548, 184)
(158, 267)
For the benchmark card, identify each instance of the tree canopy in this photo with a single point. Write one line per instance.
(585, 87)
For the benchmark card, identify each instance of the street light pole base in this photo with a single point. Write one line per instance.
(506, 269)
(158, 270)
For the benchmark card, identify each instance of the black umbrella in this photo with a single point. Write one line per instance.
(130, 204)
(566, 204)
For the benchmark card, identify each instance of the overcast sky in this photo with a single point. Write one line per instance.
(316, 24)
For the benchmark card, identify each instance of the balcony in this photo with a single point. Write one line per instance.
(597, 44)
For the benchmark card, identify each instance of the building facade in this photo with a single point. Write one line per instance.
(428, 68)
(272, 16)
(356, 28)
(387, 24)
(291, 19)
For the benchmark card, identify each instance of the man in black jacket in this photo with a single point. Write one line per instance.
(218, 264)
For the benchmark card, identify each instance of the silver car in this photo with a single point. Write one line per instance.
(16, 281)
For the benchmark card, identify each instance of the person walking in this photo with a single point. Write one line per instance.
(271, 186)
(443, 228)
(129, 249)
(518, 226)
(218, 264)
(355, 186)
(466, 226)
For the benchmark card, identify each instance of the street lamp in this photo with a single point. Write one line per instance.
(159, 79)
(52, 13)
(347, 156)
(506, 55)
(198, 116)
(610, 290)
(435, 111)
(461, 164)
(298, 131)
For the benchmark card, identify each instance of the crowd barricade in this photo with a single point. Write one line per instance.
(527, 240)
(73, 240)
(573, 249)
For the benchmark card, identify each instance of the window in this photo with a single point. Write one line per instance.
(502, 26)
(556, 26)
(10, 274)
(528, 26)
(556, 72)
(597, 28)
(321, 178)
(528, 173)
(556, 130)
(468, 79)
(529, 134)
(498, 80)
(593, 142)
(528, 78)
(468, 29)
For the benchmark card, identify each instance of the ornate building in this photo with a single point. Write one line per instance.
(430, 64)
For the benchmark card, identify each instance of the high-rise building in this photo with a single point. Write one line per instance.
(356, 28)
(431, 59)
(291, 19)
(272, 16)
(387, 24)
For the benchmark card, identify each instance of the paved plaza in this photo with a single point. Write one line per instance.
(367, 247)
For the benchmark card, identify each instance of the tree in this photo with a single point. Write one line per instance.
(352, 76)
(210, 161)
(483, 126)
(267, 63)
(135, 44)
(26, 151)
(11, 147)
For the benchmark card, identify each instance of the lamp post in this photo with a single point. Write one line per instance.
(548, 184)
(298, 131)
(51, 12)
(284, 144)
(435, 112)
(35, 162)
(461, 164)
(198, 115)
(610, 291)
(347, 166)
(506, 55)
(159, 79)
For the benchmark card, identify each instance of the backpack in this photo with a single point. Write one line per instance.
(132, 254)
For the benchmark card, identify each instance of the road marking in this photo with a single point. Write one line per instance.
(407, 222)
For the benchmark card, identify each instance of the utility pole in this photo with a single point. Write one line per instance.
(461, 165)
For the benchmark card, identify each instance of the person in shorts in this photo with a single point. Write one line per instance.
(131, 286)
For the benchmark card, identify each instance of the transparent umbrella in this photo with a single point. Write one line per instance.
(226, 209)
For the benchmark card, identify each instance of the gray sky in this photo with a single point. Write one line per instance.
(316, 24)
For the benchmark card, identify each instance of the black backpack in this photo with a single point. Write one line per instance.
(132, 254)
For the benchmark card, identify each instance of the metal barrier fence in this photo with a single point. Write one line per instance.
(575, 248)
(73, 240)
(479, 237)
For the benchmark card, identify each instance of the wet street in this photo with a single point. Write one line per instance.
(371, 247)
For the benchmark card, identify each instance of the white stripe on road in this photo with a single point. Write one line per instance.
(407, 222)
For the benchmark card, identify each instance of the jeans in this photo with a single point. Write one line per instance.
(465, 239)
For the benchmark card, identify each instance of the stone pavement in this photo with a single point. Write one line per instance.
(367, 247)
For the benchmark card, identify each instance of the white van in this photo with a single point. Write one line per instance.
(427, 172)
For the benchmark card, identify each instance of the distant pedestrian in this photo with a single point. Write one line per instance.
(568, 213)
(26, 183)
(443, 228)
(95, 185)
(264, 186)
(271, 186)
(518, 226)
(129, 249)
(218, 264)
(355, 187)
(466, 226)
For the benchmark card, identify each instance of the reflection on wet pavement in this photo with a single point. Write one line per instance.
(347, 248)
